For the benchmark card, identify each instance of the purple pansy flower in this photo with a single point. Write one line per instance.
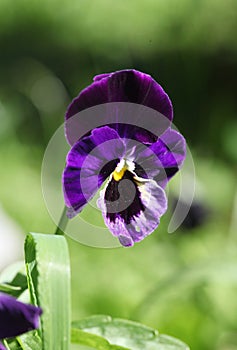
(134, 163)
(16, 317)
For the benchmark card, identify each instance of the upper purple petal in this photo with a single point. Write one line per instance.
(90, 161)
(122, 86)
(101, 76)
(16, 317)
(134, 132)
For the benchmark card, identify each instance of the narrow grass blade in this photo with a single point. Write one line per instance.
(48, 274)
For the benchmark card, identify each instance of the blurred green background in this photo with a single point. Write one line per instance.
(185, 283)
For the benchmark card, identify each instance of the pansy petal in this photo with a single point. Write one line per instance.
(132, 208)
(159, 160)
(146, 162)
(175, 145)
(90, 161)
(2, 347)
(16, 318)
(170, 149)
(123, 86)
(134, 132)
(101, 76)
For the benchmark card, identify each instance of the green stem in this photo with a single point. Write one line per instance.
(62, 223)
(233, 219)
(5, 344)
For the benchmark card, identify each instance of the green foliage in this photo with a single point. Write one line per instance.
(163, 281)
(48, 273)
(106, 333)
(13, 280)
(183, 284)
(92, 340)
(164, 24)
(9, 289)
(30, 341)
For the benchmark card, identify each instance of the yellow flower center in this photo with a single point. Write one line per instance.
(117, 175)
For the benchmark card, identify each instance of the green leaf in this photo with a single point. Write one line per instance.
(13, 279)
(94, 341)
(7, 288)
(30, 341)
(12, 344)
(106, 333)
(27, 341)
(48, 274)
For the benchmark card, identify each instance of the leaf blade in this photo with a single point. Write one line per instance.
(48, 273)
(115, 333)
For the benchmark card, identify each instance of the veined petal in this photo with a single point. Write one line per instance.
(16, 317)
(100, 76)
(126, 85)
(159, 160)
(122, 86)
(90, 161)
(170, 149)
(134, 132)
(132, 207)
(146, 163)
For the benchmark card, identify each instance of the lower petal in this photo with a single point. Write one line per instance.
(142, 214)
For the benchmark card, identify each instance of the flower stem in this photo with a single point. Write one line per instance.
(233, 219)
(62, 223)
(5, 344)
